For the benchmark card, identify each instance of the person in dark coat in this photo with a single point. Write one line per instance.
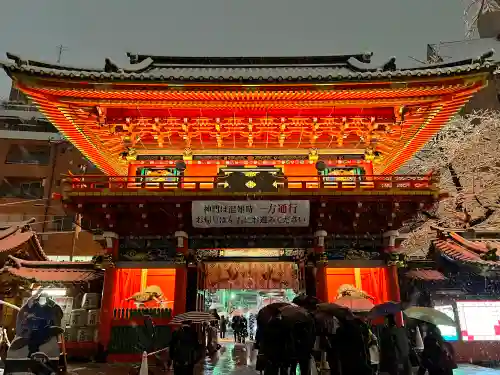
(223, 327)
(353, 336)
(235, 325)
(438, 356)
(394, 349)
(184, 349)
(243, 329)
(251, 326)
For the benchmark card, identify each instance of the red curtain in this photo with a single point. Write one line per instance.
(373, 282)
(165, 279)
(128, 282)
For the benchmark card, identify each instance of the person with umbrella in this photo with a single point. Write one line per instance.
(353, 340)
(184, 349)
(212, 339)
(394, 348)
(437, 357)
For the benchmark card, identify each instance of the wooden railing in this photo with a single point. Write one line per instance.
(215, 183)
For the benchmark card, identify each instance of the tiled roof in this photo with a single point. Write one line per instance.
(425, 275)
(247, 69)
(13, 237)
(468, 252)
(462, 49)
(49, 271)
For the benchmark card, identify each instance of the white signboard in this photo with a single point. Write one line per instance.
(237, 214)
(479, 320)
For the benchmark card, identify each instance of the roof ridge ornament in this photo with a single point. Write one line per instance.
(390, 65)
(111, 67)
(134, 67)
(367, 66)
(486, 56)
(17, 59)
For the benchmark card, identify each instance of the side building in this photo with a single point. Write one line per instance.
(33, 156)
(489, 39)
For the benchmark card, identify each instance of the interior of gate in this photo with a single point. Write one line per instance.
(244, 287)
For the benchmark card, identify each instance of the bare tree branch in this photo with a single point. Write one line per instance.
(466, 155)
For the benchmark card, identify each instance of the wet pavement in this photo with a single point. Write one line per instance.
(233, 359)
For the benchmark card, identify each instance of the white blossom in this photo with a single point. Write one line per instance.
(473, 10)
(466, 156)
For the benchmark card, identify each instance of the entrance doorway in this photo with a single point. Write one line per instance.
(244, 303)
(238, 290)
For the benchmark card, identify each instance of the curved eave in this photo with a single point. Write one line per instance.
(83, 142)
(52, 275)
(450, 93)
(159, 77)
(143, 94)
(440, 114)
(460, 254)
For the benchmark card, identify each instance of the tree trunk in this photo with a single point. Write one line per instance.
(457, 183)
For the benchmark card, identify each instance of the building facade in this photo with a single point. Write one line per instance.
(489, 39)
(263, 173)
(34, 156)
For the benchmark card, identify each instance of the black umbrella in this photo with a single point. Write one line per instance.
(338, 311)
(384, 309)
(306, 301)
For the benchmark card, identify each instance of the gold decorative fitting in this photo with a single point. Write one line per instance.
(131, 155)
(313, 155)
(372, 155)
(250, 184)
(187, 154)
(103, 261)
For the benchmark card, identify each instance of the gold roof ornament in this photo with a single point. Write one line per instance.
(187, 154)
(313, 155)
(372, 155)
(131, 154)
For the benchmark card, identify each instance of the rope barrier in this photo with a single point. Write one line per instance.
(157, 352)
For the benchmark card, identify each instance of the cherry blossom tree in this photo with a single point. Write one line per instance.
(465, 155)
(473, 11)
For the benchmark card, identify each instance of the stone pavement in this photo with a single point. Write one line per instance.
(232, 360)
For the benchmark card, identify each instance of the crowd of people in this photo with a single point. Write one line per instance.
(354, 346)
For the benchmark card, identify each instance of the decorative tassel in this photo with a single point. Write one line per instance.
(324, 366)
(144, 364)
(419, 343)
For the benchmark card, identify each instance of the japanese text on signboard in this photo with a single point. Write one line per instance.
(208, 214)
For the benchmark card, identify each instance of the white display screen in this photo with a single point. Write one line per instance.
(448, 333)
(479, 320)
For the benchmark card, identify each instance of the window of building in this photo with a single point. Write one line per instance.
(66, 258)
(21, 187)
(59, 258)
(28, 154)
(62, 223)
(12, 218)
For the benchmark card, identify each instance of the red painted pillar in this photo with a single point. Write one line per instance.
(181, 275)
(106, 314)
(394, 291)
(321, 265)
